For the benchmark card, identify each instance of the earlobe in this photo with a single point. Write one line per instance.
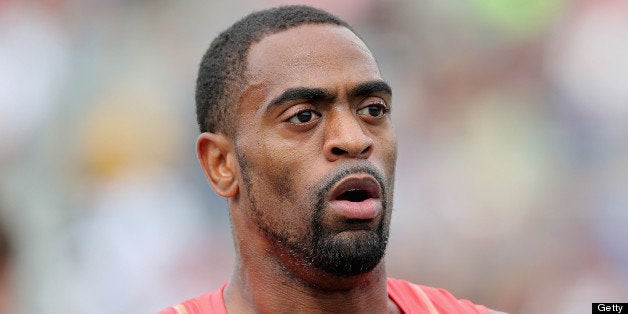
(216, 154)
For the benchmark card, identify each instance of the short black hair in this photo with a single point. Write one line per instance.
(221, 74)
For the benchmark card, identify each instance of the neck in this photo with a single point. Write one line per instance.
(253, 291)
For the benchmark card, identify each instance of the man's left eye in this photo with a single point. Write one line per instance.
(374, 110)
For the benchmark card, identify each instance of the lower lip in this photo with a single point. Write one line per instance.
(367, 209)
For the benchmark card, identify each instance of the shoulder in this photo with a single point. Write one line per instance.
(209, 302)
(412, 297)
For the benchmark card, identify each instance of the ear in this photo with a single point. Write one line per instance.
(217, 157)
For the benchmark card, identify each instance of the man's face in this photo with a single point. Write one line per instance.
(316, 149)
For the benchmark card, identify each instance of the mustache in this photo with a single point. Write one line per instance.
(327, 183)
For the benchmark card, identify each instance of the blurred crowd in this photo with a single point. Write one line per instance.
(512, 125)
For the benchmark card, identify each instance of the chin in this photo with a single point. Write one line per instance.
(349, 253)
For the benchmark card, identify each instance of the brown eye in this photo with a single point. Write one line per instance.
(304, 116)
(374, 110)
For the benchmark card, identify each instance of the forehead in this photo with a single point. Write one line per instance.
(313, 55)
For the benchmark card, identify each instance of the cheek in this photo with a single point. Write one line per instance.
(279, 186)
(288, 166)
(281, 181)
(388, 151)
(276, 170)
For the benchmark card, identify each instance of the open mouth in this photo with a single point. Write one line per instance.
(357, 199)
(354, 195)
(356, 189)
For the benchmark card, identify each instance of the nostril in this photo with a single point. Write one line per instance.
(365, 150)
(338, 151)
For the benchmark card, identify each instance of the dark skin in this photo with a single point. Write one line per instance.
(315, 105)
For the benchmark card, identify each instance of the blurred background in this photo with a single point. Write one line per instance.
(512, 177)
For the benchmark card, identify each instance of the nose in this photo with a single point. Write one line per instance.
(345, 137)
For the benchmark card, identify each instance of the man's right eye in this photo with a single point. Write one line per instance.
(304, 116)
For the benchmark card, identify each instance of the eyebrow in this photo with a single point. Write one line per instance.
(314, 94)
(300, 93)
(369, 88)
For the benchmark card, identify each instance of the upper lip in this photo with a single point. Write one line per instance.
(365, 183)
